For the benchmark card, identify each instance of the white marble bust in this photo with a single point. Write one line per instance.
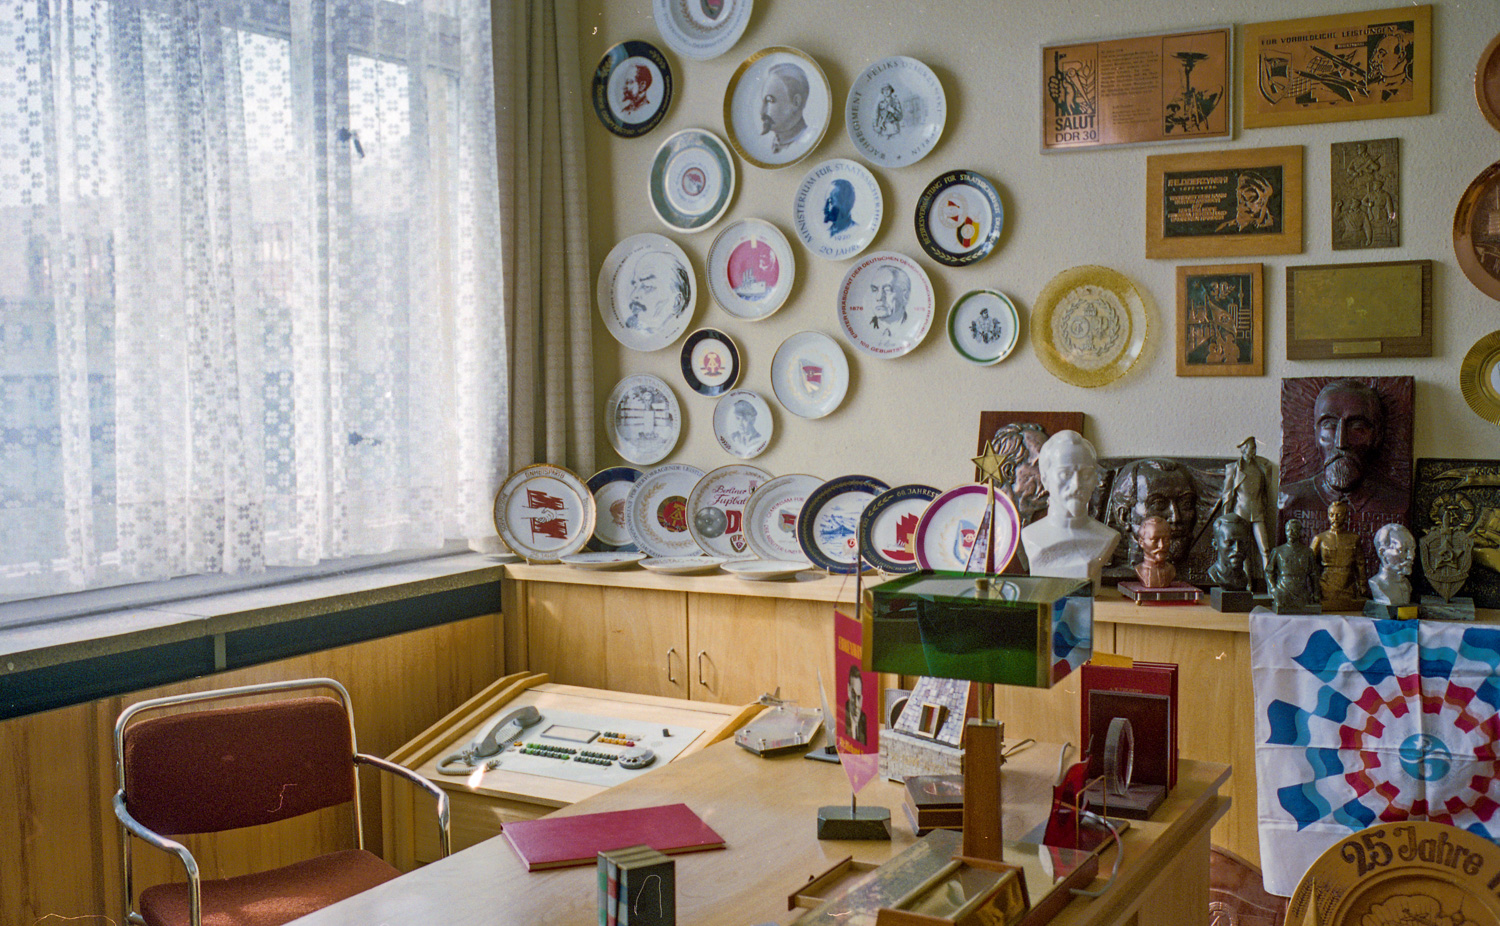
(1396, 548)
(1067, 542)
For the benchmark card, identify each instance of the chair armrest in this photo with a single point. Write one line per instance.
(438, 793)
(154, 839)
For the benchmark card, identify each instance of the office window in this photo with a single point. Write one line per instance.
(250, 307)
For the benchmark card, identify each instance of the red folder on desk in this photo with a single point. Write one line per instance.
(561, 842)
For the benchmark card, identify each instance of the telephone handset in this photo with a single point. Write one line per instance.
(489, 746)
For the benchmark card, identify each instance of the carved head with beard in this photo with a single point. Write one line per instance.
(1349, 423)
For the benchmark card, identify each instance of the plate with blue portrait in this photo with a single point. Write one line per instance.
(742, 424)
(710, 362)
(701, 29)
(632, 88)
(642, 418)
(750, 269)
(838, 209)
(810, 374)
(895, 111)
(959, 218)
(983, 326)
(692, 180)
(888, 527)
(647, 291)
(777, 107)
(828, 526)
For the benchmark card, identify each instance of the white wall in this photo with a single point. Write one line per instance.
(916, 418)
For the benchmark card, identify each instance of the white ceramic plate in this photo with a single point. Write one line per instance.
(543, 512)
(952, 524)
(750, 269)
(601, 561)
(895, 111)
(632, 88)
(828, 527)
(760, 570)
(742, 424)
(657, 510)
(771, 517)
(642, 418)
(610, 488)
(647, 292)
(682, 565)
(810, 374)
(692, 180)
(888, 527)
(838, 209)
(959, 218)
(777, 107)
(710, 362)
(886, 304)
(701, 29)
(983, 326)
(716, 509)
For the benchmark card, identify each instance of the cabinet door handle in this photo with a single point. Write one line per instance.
(670, 653)
(701, 654)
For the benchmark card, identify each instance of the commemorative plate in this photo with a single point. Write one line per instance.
(895, 111)
(888, 527)
(1476, 231)
(1487, 82)
(642, 418)
(1089, 325)
(710, 362)
(828, 527)
(701, 29)
(682, 565)
(761, 570)
(838, 209)
(771, 517)
(716, 509)
(610, 487)
(647, 292)
(810, 374)
(1479, 377)
(751, 269)
(742, 424)
(599, 562)
(954, 523)
(983, 326)
(886, 305)
(543, 512)
(692, 180)
(959, 218)
(632, 88)
(777, 107)
(657, 510)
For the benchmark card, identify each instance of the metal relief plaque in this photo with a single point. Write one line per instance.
(1364, 180)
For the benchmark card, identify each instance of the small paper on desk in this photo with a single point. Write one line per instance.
(858, 733)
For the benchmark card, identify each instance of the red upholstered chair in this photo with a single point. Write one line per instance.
(219, 768)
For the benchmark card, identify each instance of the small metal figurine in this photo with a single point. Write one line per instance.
(1396, 548)
(1232, 545)
(1342, 562)
(1248, 492)
(1293, 574)
(1155, 568)
(1447, 556)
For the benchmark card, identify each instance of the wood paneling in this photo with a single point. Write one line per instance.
(565, 632)
(642, 627)
(59, 843)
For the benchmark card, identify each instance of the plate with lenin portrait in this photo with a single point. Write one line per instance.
(750, 269)
(647, 291)
(632, 88)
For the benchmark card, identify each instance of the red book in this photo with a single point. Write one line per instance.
(563, 842)
(1145, 694)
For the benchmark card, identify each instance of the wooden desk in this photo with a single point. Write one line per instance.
(766, 811)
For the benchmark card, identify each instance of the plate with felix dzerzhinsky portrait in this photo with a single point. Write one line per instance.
(632, 88)
(777, 107)
(750, 269)
(837, 209)
(959, 218)
(701, 29)
(692, 180)
(895, 111)
(886, 305)
(1089, 325)
(647, 292)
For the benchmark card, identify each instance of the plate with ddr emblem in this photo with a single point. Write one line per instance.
(657, 510)
(828, 527)
(751, 269)
(771, 516)
(692, 180)
(716, 509)
(895, 111)
(632, 88)
(810, 374)
(642, 418)
(959, 218)
(888, 527)
(838, 209)
(544, 512)
(710, 362)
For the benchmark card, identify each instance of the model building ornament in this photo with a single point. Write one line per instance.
(1067, 542)
(1293, 574)
(1396, 548)
(1155, 569)
(1447, 556)
(1340, 561)
(1248, 493)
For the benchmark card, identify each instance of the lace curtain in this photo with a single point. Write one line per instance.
(250, 297)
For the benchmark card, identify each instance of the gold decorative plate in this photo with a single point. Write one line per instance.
(1479, 377)
(1396, 874)
(1476, 231)
(1487, 82)
(1089, 325)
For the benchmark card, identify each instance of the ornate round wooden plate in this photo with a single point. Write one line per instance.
(1479, 377)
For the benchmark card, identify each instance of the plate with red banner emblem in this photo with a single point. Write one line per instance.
(888, 527)
(954, 523)
(657, 510)
(810, 374)
(544, 512)
(716, 509)
(771, 516)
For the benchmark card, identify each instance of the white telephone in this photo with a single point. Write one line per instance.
(485, 752)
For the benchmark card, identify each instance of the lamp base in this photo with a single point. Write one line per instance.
(840, 822)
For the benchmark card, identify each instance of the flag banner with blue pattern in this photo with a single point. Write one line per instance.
(1361, 721)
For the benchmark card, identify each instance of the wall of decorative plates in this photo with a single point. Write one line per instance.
(829, 233)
